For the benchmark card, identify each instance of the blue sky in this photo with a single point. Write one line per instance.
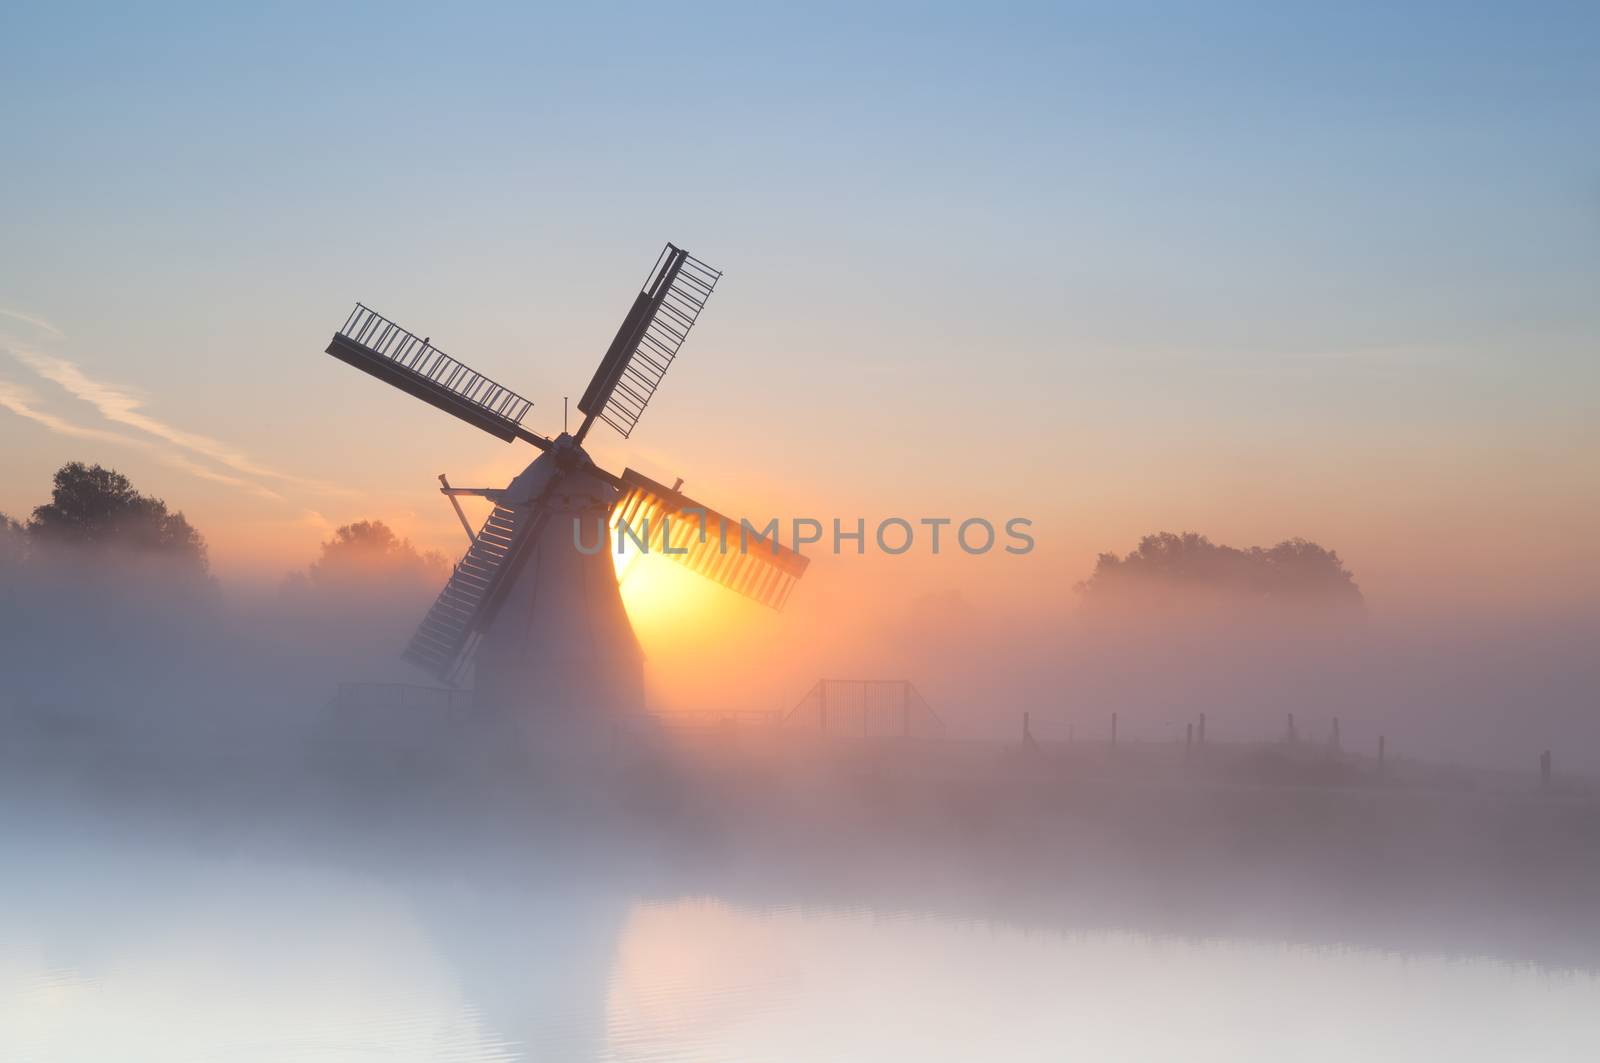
(1179, 264)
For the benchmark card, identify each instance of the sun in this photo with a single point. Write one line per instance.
(660, 595)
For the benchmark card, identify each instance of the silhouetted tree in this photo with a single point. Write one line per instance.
(368, 550)
(1173, 567)
(92, 506)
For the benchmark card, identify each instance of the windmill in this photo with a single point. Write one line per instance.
(538, 620)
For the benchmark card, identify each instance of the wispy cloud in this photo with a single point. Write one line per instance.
(194, 468)
(37, 322)
(120, 406)
(20, 402)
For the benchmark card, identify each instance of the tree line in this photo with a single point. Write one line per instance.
(1168, 567)
(93, 509)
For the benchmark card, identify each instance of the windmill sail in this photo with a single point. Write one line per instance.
(648, 341)
(720, 548)
(376, 345)
(444, 642)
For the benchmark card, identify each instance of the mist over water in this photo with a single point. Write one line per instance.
(210, 860)
(273, 955)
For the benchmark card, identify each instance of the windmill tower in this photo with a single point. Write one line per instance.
(534, 618)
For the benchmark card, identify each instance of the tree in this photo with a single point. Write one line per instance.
(1169, 568)
(92, 506)
(369, 551)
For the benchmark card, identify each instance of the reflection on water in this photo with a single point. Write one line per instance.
(797, 985)
(112, 950)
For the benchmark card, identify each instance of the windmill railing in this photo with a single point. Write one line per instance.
(865, 708)
(419, 358)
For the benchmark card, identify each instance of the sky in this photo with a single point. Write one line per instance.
(1252, 270)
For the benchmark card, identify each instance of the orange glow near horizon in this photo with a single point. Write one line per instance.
(704, 645)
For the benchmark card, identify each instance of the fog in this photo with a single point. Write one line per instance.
(139, 646)
(1490, 685)
(1484, 690)
(178, 739)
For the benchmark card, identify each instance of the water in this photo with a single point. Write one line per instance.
(119, 946)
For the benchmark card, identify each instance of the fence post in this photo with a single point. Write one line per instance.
(1291, 734)
(1029, 743)
(1202, 734)
(1188, 737)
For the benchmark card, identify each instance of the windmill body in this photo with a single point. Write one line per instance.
(561, 653)
(538, 622)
